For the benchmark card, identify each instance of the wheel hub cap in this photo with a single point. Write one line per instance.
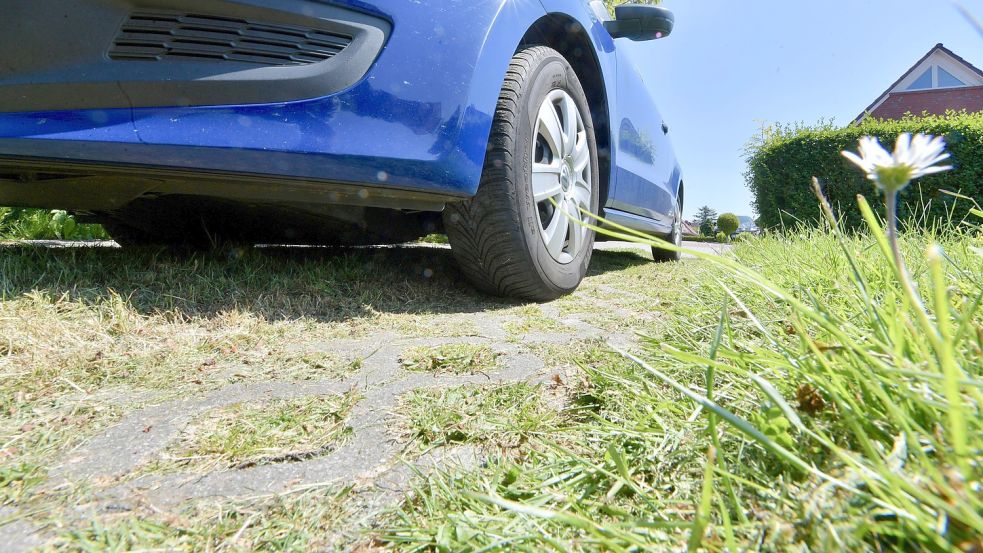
(565, 178)
(561, 176)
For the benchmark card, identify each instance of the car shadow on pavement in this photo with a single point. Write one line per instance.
(273, 283)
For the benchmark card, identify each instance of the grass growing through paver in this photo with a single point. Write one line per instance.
(107, 326)
(299, 520)
(612, 457)
(246, 434)
(503, 416)
(33, 433)
(831, 425)
(89, 334)
(530, 319)
(450, 359)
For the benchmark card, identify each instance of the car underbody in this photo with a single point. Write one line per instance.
(174, 206)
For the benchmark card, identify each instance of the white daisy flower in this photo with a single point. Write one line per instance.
(913, 157)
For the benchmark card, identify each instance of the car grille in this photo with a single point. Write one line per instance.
(160, 36)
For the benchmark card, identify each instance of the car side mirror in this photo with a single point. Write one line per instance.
(640, 22)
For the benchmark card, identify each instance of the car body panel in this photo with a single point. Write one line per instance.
(645, 160)
(645, 175)
(419, 119)
(399, 126)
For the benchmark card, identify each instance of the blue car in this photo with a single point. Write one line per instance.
(501, 123)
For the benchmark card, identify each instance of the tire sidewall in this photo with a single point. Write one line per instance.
(677, 228)
(551, 74)
(675, 237)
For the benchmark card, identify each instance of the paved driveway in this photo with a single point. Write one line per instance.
(153, 347)
(708, 247)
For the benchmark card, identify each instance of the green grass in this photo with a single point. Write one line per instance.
(450, 358)
(502, 416)
(434, 239)
(248, 434)
(81, 326)
(841, 418)
(532, 319)
(90, 334)
(17, 481)
(793, 398)
(39, 224)
(298, 520)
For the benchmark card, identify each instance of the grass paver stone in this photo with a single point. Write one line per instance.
(281, 399)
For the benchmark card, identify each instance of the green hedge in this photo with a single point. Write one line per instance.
(783, 160)
(700, 238)
(742, 237)
(41, 224)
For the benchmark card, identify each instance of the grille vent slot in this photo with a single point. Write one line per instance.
(156, 36)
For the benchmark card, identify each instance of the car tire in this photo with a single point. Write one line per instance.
(675, 237)
(513, 238)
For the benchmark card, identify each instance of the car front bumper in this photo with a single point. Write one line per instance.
(412, 124)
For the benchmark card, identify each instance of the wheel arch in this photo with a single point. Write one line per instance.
(567, 36)
(680, 195)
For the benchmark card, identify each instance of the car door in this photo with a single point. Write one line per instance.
(644, 162)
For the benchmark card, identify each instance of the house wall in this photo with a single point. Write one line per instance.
(935, 101)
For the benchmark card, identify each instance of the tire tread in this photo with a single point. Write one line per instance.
(485, 231)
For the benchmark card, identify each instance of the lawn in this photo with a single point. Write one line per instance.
(788, 396)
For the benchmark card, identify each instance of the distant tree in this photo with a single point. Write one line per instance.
(704, 214)
(705, 218)
(728, 223)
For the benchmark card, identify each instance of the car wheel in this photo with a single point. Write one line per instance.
(521, 234)
(676, 237)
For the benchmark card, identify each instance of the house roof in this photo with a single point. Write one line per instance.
(937, 48)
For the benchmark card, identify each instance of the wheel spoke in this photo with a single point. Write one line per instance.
(556, 232)
(569, 110)
(581, 193)
(549, 128)
(581, 153)
(576, 229)
(545, 181)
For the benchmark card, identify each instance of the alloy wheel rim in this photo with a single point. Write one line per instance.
(561, 176)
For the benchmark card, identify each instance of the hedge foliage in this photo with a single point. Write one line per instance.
(41, 224)
(728, 223)
(783, 160)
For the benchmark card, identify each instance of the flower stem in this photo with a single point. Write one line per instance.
(891, 204)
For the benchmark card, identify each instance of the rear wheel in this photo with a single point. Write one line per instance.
(675, 237)
(521, 235)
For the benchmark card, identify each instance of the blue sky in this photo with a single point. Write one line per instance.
(730, 66)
